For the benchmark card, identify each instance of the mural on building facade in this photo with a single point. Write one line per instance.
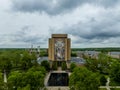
(59, 49)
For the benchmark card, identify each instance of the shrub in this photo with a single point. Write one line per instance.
(72, 66)
(64, 66)
(46, 64)
(54, 65)
(103, 80)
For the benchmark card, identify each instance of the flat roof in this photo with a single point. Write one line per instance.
(59, 35)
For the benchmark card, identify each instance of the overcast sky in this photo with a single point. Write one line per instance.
(89, 23)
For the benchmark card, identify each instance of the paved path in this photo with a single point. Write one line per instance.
(59, 69)
(110, 87)
(5, 77)
(107, 84)
(58, 88)
(46, 79)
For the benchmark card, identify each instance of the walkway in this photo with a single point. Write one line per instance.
(5, 77)
(58, 88)
(107, 85)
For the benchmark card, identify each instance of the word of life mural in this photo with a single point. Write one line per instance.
(59, 49)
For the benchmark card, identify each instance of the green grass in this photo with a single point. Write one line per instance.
(115, 89)
(110, 89)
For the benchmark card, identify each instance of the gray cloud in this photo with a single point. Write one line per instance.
(55, 7)
(22, 38)
(26, 36)
(96, 29)
(87, 22)
(94, 33)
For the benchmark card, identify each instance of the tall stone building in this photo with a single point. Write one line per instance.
(59, 48)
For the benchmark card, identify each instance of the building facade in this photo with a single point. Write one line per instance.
(59, 47)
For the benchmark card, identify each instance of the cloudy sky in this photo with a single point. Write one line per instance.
(89, 23)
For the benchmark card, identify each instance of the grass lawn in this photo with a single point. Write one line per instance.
(115, 89)
(110, 89)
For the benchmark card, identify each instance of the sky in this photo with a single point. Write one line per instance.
(89, 23)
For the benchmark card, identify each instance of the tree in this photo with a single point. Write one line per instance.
(92, 64)
(101, 64)
(54, 65)
(1, 82)
(83, 79)
(34, 78)
(26, 61)
(46, 64)
(24, 88)
(74, 54)
(72, 66)
(15, 59)
(103, 80)
(43, 53)
(33, 57)
(14, 80)
(5, 62)
(64, 66)
(115, 73)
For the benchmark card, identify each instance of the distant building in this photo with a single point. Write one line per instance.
(35, 50)
(91, 54)
(114, 54)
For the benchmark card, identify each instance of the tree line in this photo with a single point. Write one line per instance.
(22, 69)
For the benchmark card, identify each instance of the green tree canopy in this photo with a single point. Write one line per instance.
(5, 62)
(46, 64)
(64, 66)
(54, 65)
(103, 80)
(1, 81)
(72, 66)
(83, 79)
(115, 72)
(33, 77)
(101, 64)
